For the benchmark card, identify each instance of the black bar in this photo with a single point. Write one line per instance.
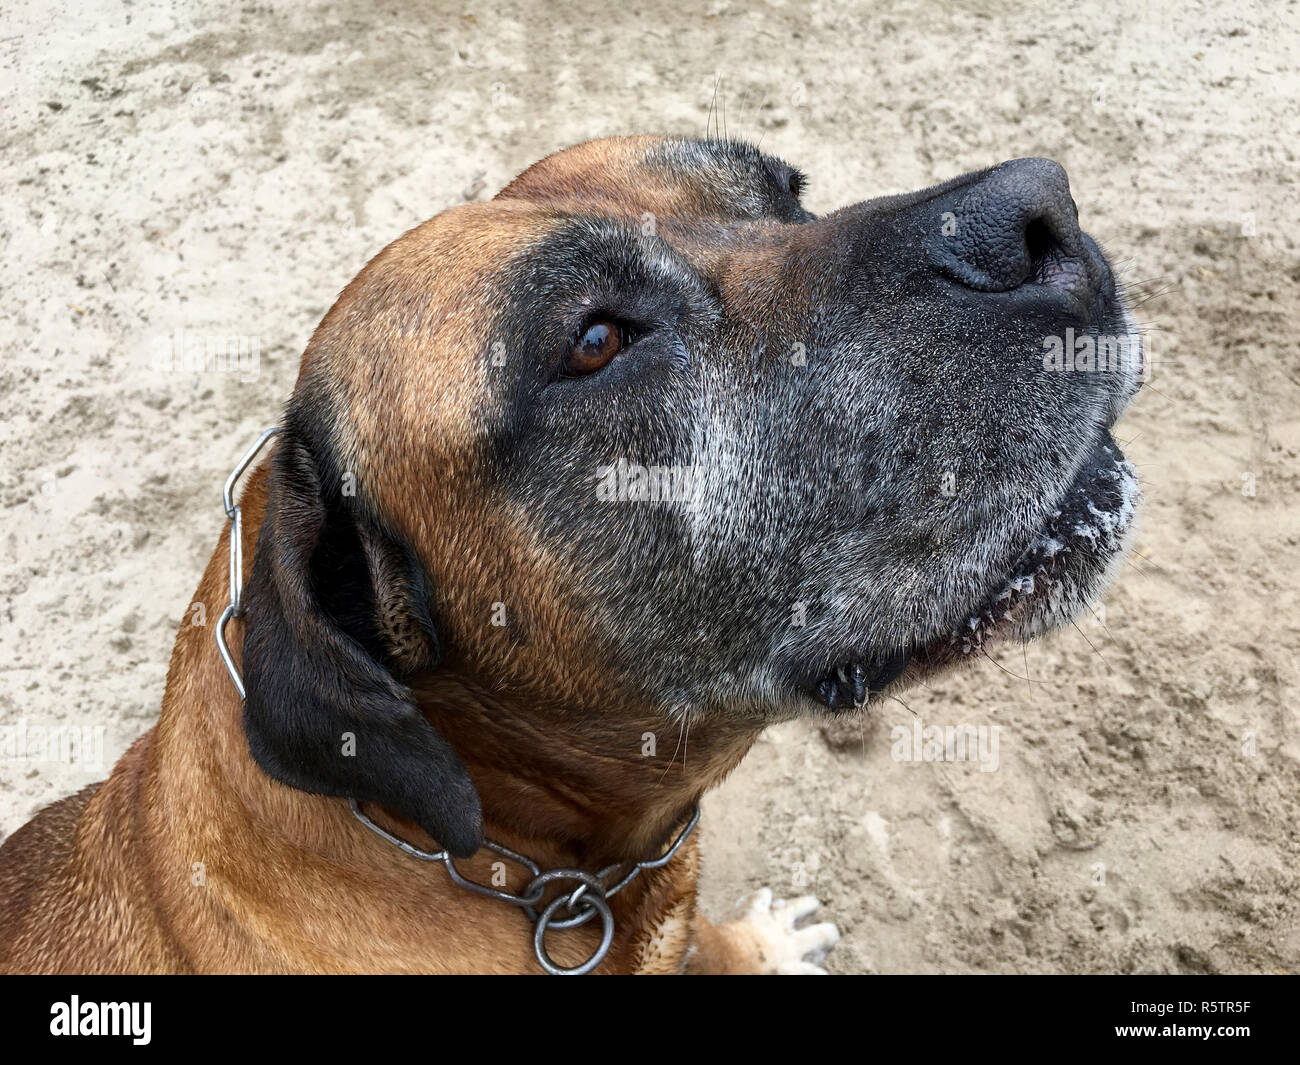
(926, 1012)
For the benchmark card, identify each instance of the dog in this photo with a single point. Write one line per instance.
(637, 447)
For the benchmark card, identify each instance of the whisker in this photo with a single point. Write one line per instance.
(908, 708)
(1008, 672)
(1150, 561)
(1137, 569)
(680, 726)
(1098, 619)
(1090, 644)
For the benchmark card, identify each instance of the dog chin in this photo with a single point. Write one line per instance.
(1057, 578)
(1071, 562)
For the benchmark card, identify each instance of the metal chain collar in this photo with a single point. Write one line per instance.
(591, 895)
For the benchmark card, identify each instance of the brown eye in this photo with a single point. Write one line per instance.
(595, 349)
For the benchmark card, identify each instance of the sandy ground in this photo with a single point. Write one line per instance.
(225, 168)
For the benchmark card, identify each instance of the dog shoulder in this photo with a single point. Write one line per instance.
(30, 860)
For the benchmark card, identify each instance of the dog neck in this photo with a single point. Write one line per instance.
(562, 786)
(579, 788)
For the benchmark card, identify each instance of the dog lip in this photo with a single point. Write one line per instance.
(852, 684)
(1094, 513)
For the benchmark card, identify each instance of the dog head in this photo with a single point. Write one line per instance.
(643, 431)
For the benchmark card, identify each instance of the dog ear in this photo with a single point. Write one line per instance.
(335, 612)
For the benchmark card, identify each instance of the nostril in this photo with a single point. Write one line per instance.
(1042, 250)
(1049, 263)
(1038, 242)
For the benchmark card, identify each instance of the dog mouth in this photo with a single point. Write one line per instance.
(1058, 575)
(1066, 564)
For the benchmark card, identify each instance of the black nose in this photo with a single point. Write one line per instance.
(1017, 224)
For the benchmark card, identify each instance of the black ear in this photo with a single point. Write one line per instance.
(333, 609)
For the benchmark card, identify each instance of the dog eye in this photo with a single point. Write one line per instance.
(595, 349)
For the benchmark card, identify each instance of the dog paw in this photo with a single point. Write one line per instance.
(783, 945)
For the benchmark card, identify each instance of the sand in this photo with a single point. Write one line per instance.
(223, 169)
